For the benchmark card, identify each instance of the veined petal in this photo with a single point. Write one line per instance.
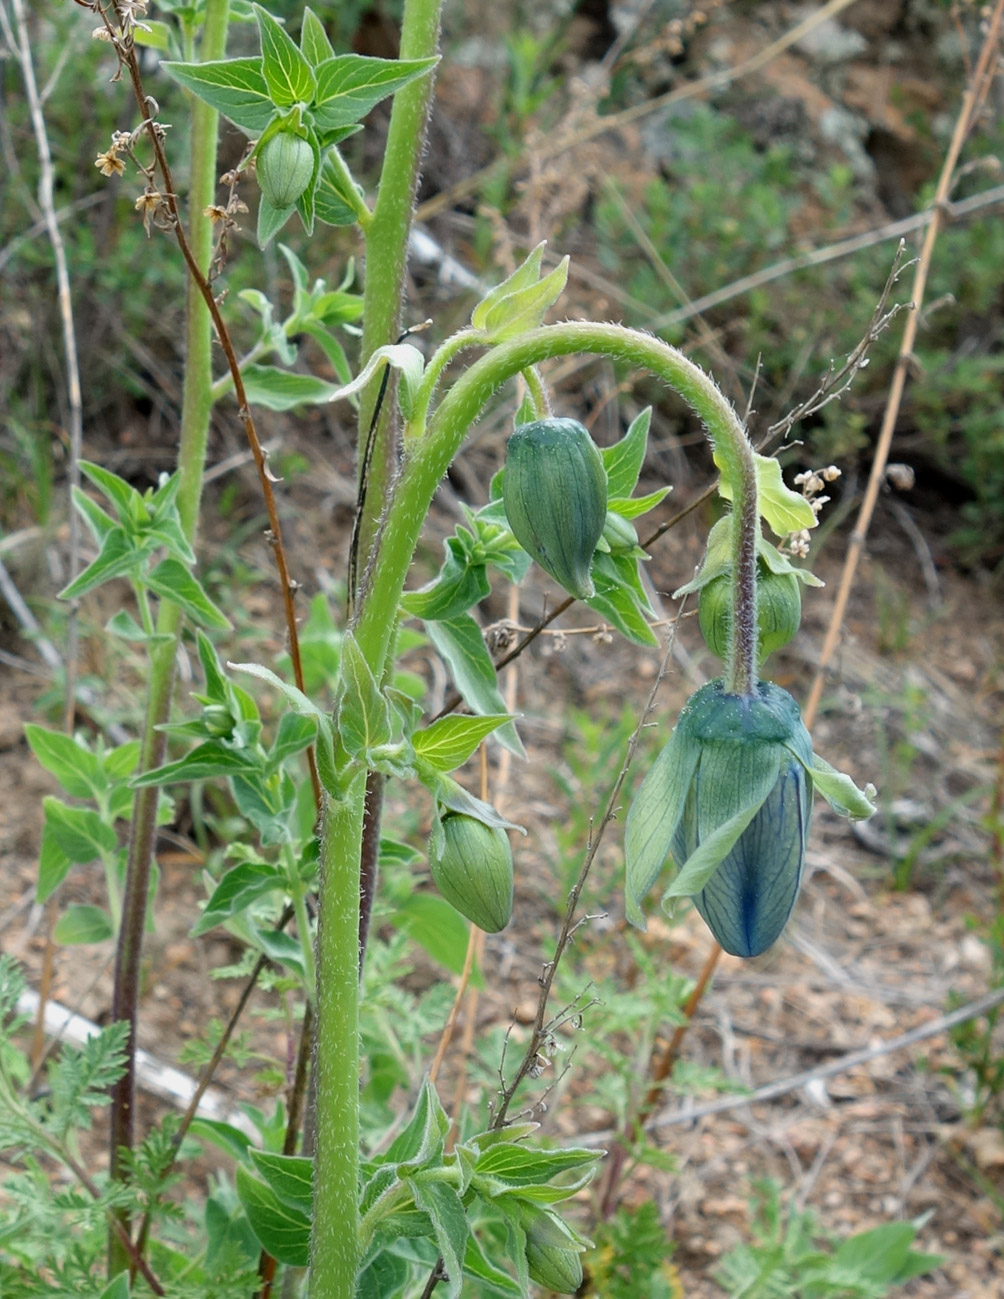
(706, 855)
(747, 901)
(654, 816)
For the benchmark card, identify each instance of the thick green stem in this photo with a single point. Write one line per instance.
(387, 245)
(334, 1252)
(429, 452)
(196, 408)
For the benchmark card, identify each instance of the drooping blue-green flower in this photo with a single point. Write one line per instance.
(730, 797)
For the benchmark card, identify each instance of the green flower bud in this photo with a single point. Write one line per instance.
(555, 1269)
(284, 166)
(779, 611)
(218, 720)
(619, 533)
(472, 868)
(555, 495)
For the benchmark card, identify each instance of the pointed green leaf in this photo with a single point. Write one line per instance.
(290, 1176)
(422, 1137)
(462, 647)
(288, 75)
(276, 389)
(118, 557)
(839, 790)
(450, 1227)
(314, 42)
(523, 277)
(77, 769)
(712, 851)
(331, 205)
(632, 507)
(453, 796)
(203, 763)
(236, 891)
(349, 85)
(95, 517)
(402, 356)
(118, 1287)
(784, 510)
(623, 461)
(300, 702)
(128, 502)
(363, 711)
(515, 314)
(652, 820)
(53, 865)
(234, 87)
(615, 601)
(79, 831)
(271, 219)
(282, 1231)
(173, 581)
(447, 743)
(83, 924)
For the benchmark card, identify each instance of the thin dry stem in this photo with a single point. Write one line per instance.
(983, 75)
(127, 55)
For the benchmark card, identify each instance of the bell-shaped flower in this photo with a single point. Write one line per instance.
(730, 798)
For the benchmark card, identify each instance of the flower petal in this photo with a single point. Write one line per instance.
(654, 816)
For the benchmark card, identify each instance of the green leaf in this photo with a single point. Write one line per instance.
(77, 769)
(349, 85)
(449, 1225)
(237, 890)
(271, 219)
(282, 1231)
(784, 510)
(871, 1261)
(453, 796)
(522, 278)
(623, 461)
(522, 1165)
(422, 1137)
(53, 865)
(447, 743)
(457, 586)
(118, 557)
(330, 203)
(84, 924)
(291, 1177)
(314, 42)
(231, 1140)
(401, 356)
(288, 76)
(294, 696)
(633, 507)
(477, 1264)
(839, 790)
(234, 87)
(517, 312)
(712, 851)
(203, 763)
(127, 501)
(653, 818)
(616, 601)
(95, 517)
(172, 581)
(295, 733)
(79, 831)
(462, 647)
(363, 711)
(440, 930)
(118, 1287)
(282, 948)
(276, 389)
